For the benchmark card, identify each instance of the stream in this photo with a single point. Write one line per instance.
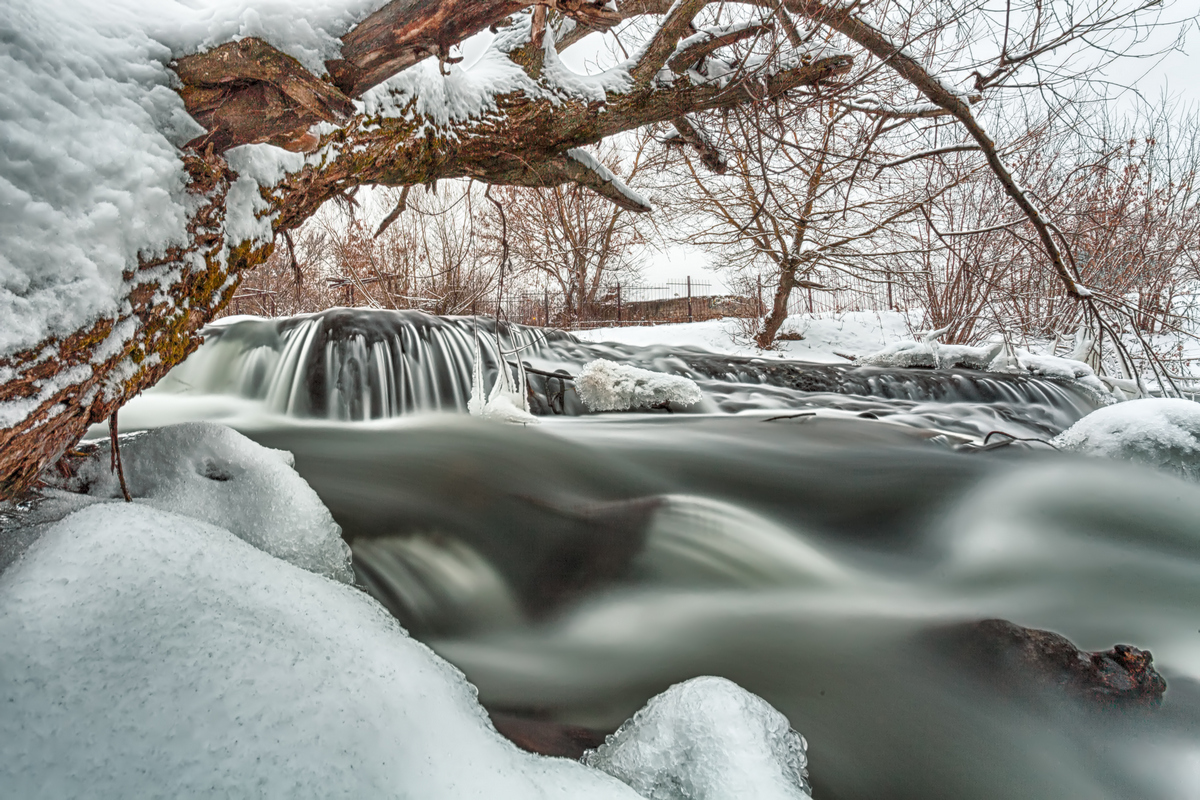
(801, 531)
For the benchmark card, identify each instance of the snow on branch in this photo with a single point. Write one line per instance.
(583, 168)
(692, 50)
(710, 156)
(661, 45)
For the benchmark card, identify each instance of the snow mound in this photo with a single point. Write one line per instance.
(1161, 433)
(707, 739)
(150, 655)
(605, 385)
(215, 474)
(932, 354)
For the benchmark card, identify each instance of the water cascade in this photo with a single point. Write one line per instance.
(355, 364)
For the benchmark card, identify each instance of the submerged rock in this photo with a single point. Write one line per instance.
(546, 737)
(1020, 660)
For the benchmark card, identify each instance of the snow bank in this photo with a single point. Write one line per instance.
(1161, 433)
(707, 739)
(213, 473)
(608, 386)
(150, 655)
(824, 337)
(90, 174)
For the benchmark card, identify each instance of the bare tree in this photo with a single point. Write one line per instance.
(573, 240)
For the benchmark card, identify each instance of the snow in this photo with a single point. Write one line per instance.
(606, 175)
(824, 336)
(707, 739)
(605, 385)
(214, 474)
(456, 93)
(90, 174)
(151, 655)
(1159, 432)
(930, 353)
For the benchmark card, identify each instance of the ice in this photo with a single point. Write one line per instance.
(215, 474)
(605, 385)
(147, 654)
(707, 739)
(1159, 432)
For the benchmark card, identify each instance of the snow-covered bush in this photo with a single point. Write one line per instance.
(605, 385)
(1162, 433)
(213, 473)
(707, 739)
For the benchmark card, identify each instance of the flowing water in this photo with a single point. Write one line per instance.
(572, 569)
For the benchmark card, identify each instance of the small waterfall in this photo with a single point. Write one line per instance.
(358, 364)
(352, 365)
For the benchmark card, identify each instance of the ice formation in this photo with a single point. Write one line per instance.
(508, 400)
(214, 474)
(707, 739)
(151, 655)
(605, 385)
(929, 352)
(1159, 432)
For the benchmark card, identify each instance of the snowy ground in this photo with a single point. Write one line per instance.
(826, 339)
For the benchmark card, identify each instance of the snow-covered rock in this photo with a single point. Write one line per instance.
(605, 385)
(931, 353)
(707, 739)
(1158, 432)
(147, 654)
(1063, 369)
(213, 473)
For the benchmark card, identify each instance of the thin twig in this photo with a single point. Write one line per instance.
(115, 456)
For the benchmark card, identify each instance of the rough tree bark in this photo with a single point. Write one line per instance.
(248, 92)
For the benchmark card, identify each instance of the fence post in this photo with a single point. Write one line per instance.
(546, 308)
(618, 305)
(758, 295)
(891, 305)
(689, 290)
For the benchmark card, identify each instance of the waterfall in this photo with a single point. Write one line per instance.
(349, 364)
(359, 364)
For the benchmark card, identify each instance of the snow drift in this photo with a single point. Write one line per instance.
(214, 474)
(1161, 433)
